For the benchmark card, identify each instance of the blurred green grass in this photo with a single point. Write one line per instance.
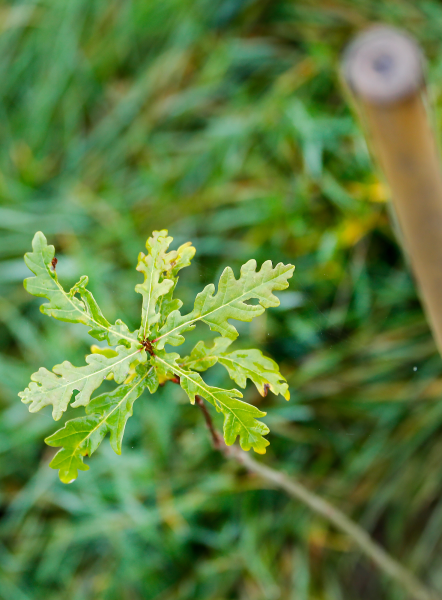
(225, 122)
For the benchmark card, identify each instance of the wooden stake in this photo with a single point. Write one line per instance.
(384, 69)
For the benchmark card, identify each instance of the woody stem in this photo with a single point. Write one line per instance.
(386, 563)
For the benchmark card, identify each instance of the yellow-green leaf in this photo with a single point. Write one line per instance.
(57, 386)
(229, 302)
(240, 418)
(66, 306)
(153, 265)
(107, 413)
(252, 364)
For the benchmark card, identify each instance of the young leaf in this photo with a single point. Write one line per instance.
(239, 417)
(57, 387)
(263, 371)
(65, 306)
(101, 329)
(174, 262)
(107, 413)
(241, 365)
(153, 266)
(229, 302)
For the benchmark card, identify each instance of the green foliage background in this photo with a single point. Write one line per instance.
(224, 121)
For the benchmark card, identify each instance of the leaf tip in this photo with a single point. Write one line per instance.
(39, 241)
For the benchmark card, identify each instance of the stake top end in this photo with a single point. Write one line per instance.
(383, 65)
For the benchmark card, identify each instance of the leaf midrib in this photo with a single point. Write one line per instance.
(60, 287)
(94, 373)
(149, 298)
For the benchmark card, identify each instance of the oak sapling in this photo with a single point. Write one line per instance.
(137, 360)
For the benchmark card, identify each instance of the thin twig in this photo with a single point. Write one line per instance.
(370, 548)
(217, 438)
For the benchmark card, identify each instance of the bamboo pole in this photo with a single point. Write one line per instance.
(383, 68)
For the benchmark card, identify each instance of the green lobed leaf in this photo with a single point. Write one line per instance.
(153, 266)
(241, 365)
(240, 418)
(174, 262)
(57, 386)
(160, 269)
(101, 329)
(252, 364)
(107, 413)
(178, 259)
(229, 302)
(66, 306)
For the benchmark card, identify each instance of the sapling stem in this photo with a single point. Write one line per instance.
(386, 563)
(151, 364)
(108, 412)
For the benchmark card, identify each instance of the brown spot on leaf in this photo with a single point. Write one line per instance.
(266, 388)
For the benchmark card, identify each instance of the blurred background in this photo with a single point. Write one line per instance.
(225, 122)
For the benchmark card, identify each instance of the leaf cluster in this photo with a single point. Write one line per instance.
(137, 360)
